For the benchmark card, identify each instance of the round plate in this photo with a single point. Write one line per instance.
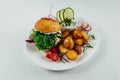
(37, 56)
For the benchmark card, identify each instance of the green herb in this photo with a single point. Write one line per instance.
(66, 60)
(44, 41)
(62, 61)
(61, 56)
(86, 46)
(68, 21)
(89, 45)
(92, 36)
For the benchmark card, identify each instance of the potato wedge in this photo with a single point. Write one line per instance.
(72, 55)
(85, 36)
(79, 42)
(68, 42)
(77, 33)
(62, 49)
(78, 49)
(65, 34)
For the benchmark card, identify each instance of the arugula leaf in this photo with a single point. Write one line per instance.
(44, 41)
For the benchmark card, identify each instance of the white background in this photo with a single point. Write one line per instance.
(17, 18)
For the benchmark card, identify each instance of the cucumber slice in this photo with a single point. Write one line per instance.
(61, 15)
(59, 19)
(58, 16)
(73, 23)
(68, 13)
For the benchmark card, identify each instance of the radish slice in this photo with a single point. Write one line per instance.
(30, 41)
(50, 17)
(85, 25)
(80, 24)
(88, 28)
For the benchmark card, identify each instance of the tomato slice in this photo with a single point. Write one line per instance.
(55, 57)
(49, 55)
(54, 50)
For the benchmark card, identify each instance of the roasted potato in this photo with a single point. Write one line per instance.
(72, 55)
(62, 49)
(65, 34)
(85, 36)
(79, 42)
(78, 49)
(68, 42)
(77, 33)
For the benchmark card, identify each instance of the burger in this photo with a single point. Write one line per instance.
(46, 34)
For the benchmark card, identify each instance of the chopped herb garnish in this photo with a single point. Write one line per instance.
(63, 59)
(66, 60)
(86, 46)
(89, 45)
(92, 36)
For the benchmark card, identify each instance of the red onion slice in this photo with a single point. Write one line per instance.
(88, 28)
(80, 24)
(30, 41)
(52, 17)
(85, 25)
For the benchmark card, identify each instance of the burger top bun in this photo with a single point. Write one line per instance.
(47, 26)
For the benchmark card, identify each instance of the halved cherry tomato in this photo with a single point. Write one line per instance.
(49, 55)
(55, 57)
(54, 50)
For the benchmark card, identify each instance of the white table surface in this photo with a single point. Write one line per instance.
(17, 18)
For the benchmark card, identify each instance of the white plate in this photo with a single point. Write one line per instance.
(37, 57)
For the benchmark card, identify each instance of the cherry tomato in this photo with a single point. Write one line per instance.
(49, 55)
(54, 50)
(55, 57)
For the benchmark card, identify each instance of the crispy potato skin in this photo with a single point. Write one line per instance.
(65, 34)
(84, 35)
(77, 33)
(72, 55)
(78, 49)
(72, 42)
(62, 49)
(79, 42)
(68, 42)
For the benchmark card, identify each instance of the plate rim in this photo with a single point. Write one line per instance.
(60, 69)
